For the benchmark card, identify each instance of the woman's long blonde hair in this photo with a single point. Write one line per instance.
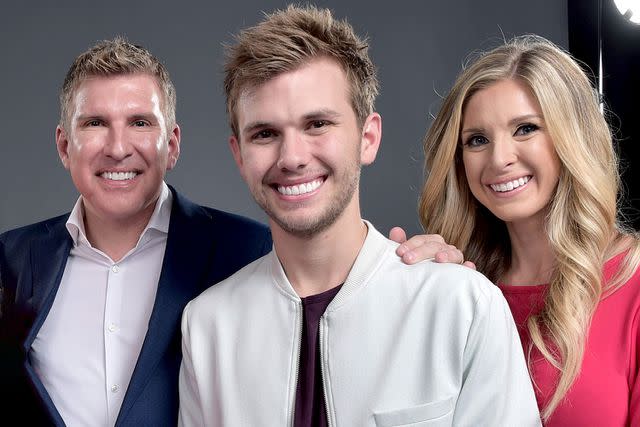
(581, 225)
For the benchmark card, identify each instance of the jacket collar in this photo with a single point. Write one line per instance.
(366, 263)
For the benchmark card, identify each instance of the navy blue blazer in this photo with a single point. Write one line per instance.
(204, 246)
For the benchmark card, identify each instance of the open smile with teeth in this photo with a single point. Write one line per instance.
(299, 189)
(118, 176)
(511, 185)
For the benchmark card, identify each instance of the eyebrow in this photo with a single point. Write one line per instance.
(150, 117)
(85, 117)
(512, 122)
(524, 118)
(253, 126)
(472, 130)
(133, 117)
(323, 113)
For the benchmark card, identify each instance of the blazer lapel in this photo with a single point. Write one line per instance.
(186, 260)
(48, 259)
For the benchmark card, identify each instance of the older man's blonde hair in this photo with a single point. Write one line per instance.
(113, 58)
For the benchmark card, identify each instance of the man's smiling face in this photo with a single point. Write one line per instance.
(300, 147)
(118, 146)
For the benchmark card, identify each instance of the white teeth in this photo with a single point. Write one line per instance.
(508, 186)
(296, 190)
(118, 176)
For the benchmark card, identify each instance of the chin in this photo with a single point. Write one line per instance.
(516, 217)
(303, 227)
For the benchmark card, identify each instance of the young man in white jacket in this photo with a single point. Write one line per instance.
(331, 328)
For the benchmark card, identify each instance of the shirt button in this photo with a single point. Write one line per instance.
(112, 327)
(115, 268)
(115, 388)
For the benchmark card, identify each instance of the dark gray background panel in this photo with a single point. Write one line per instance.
(418, 47)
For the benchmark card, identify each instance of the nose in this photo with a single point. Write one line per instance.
(503, 152)
(117, 146)
(293, 152)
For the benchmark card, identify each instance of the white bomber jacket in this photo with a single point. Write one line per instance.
(401, 345)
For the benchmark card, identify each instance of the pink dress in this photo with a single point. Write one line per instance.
(607, 390)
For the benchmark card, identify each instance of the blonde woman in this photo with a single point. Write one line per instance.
(523, 178)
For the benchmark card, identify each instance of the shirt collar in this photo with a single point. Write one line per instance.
(159, 218)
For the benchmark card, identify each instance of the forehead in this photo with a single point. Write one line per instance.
(319, 84)
(119, 91)
(501, 101)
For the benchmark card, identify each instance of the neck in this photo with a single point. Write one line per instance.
(532, 259)
(323, 261)
(116, 237)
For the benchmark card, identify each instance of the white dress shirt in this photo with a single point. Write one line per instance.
(89, 343)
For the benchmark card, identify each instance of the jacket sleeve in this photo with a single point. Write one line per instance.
(191, 411)
(496, 389)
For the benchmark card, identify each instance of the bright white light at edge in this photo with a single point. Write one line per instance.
(630, 9)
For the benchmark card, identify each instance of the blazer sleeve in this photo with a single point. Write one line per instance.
(497, 389)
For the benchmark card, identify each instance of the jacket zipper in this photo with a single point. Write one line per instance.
(296, 354)
(325, 385)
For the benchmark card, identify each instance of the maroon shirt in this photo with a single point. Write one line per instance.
(310, 406)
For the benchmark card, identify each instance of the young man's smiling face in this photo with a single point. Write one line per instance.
(118, 146)
(300, 147)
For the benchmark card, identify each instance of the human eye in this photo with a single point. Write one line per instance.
(92, 123)
(475, 141)
(526, 129)
(318, 126)
(140, 123)
(263, 135)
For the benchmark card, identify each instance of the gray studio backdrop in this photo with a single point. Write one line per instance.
(418, 47)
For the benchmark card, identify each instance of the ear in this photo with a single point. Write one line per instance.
(234, 144)
(173, 147)
(371, 136)
(62, 145)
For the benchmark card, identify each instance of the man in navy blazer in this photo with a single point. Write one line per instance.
(204, 246)
(117, 137)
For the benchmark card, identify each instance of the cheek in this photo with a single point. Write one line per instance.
(557, 164)
(85, 148)
(162, 140)
(470, 163)
(554, 175)
(473, 170)
(254, 164)
(77, 146)
(548, 163)
(78, 155)
(155, 149)
(161, 145)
